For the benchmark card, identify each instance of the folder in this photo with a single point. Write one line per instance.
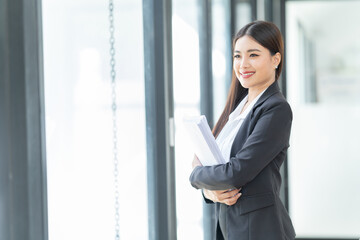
(205, 146)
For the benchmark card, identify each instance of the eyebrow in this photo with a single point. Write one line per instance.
(250, 50)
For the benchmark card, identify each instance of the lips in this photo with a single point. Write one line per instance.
(247, 74)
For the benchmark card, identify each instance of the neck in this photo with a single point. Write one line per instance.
(255, 91)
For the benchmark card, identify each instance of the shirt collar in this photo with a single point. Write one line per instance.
(238, 109)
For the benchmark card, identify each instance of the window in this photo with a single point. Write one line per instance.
(79, 121)
(186, 79)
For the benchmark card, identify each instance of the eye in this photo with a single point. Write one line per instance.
(237, 56)
(253, 55)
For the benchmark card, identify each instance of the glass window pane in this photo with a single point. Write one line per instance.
(323, 80)
(186, 98)
(220, 56)
(79, 121)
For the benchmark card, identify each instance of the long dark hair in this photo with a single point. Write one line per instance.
(266, 34)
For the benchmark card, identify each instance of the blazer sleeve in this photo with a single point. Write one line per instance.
(268, 138)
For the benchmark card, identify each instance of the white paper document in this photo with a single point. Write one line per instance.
(205, 146)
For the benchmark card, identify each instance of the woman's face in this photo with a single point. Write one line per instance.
(253, 64)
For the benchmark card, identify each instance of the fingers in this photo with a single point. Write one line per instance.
(231, 201)
(228, 197)
(233, 192)
(222, 195)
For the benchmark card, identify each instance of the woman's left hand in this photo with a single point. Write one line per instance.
(196, 162)
(228, 197)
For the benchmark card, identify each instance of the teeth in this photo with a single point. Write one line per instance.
(247, 74)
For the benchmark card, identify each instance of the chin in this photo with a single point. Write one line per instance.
(245, 84)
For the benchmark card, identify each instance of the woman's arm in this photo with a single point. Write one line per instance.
(269, 137)
(228, 197)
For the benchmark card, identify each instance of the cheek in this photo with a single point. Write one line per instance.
(258, 64)
(236, 68)
(236, 65)
(263, 66)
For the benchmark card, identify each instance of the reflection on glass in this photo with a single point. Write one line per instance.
(186, 98)
(220, 56)
(323, 80)
(79, 120)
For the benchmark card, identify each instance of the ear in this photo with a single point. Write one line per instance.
(276, 59)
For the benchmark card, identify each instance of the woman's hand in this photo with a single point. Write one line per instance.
(196, 162)
(228, 197)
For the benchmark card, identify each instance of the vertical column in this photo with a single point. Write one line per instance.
(279, 20)
(254, 9)
(205, 47)
(230, 7)
(23, 192)
(269, 10)
(278, 17)
(5, 191)
(157, 22)
(206, 94)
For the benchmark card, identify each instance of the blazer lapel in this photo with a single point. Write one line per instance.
(242, 134)
(272, 89)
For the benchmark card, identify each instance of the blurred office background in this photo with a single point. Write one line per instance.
(57, 165)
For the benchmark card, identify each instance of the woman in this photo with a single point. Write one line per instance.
(253, 135)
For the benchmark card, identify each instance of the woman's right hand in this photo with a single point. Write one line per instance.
(228, 197)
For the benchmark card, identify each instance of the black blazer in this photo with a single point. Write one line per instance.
(257, 153)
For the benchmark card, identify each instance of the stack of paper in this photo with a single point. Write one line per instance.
(205, 146)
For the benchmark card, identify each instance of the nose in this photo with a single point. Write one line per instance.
(244, 63)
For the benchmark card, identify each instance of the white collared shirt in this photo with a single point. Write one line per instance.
(227, 135)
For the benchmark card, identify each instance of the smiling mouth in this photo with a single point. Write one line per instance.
(247, 74)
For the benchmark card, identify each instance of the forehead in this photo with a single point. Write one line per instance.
(245, 43)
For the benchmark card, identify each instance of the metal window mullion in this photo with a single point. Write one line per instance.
(159, 112)
(206, 94)
(34, 80)
(254, 9)
(22, 137)
(205, 48)
(230, 10)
